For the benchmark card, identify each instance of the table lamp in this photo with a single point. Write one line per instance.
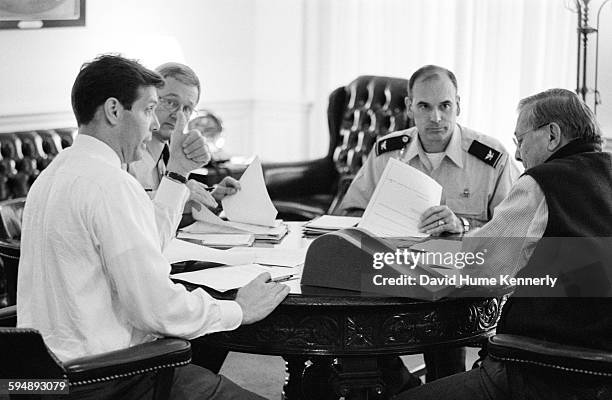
(211, 127)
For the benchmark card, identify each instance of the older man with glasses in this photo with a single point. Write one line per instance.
(555, 222)
(180, 94)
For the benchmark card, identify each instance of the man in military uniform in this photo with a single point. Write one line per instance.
(475, 172)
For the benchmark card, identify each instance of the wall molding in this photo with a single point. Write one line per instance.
(274, 129)
(36, 121)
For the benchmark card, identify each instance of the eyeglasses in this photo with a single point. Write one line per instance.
(172, 106)
(518, 139)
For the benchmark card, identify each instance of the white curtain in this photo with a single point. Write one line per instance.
(500, 50)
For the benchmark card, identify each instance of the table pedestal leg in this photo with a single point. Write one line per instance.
(308, 379)
(358, 379)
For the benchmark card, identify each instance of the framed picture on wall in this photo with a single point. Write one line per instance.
(34, 14)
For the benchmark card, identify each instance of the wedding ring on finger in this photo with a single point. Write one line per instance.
(440, 222)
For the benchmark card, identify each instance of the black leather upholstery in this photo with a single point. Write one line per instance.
(11, 212)
(358, 113)
(25, 355)
(25, 155)
(541, 353)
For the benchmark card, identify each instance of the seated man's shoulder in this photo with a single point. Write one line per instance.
(394, 141)
(484, 147)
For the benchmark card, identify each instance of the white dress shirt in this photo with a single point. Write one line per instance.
(149, 170)
(92, 277)
(509, 239)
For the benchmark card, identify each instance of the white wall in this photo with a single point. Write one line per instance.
(258, 61)
(247, 53)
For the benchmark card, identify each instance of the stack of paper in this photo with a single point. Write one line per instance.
(218, 240)
(250, 211)
(402, 195)
(271, 234)
(329, 223)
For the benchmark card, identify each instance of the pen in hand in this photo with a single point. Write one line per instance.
(285, 278)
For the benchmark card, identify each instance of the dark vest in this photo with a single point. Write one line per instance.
(576, 247)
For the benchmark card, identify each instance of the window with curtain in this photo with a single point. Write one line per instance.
(500, 50)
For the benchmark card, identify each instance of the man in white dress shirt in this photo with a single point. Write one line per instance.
(92, 277)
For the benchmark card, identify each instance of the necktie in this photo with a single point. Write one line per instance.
(163, 161)
(165, 155)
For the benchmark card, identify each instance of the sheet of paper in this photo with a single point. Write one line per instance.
(273, 256)
(219, 239)
(438, 245)
(233, 277)
(180, 250)
(333, 222)
(252, 203)
(205, 215)
(400, 198)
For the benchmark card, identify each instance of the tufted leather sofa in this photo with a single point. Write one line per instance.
(358, 113)
(25, 155)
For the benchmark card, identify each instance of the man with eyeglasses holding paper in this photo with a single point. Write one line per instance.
(552, 341)
(180, 94)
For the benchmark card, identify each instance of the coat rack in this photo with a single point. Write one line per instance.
(584, 30)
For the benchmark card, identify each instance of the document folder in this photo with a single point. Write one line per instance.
(345, 260)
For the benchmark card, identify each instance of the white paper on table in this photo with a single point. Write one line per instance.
(208, 222)
(400, 198)
(228, 227)
(274, 256)
(180, 250)
(233, 277)
(333, 222)
(219, 239)
(252, 203)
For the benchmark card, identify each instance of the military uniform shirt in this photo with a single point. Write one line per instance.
(472, 188)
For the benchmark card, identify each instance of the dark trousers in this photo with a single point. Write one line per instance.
(444, 362)
(190, 382)
(496, 380)
(207, 356)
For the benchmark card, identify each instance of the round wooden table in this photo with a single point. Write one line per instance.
(331, 338)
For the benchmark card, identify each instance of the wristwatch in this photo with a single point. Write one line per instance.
(176, 177)
(466, 224)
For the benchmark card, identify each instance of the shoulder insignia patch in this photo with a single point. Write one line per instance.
(392, 143)
(485, 153)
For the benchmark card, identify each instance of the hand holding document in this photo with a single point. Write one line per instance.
(400, 198)
(252, 204)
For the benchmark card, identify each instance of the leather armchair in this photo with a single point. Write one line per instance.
(10, 234)
(25, 355)
(358, 113)
(545, 354)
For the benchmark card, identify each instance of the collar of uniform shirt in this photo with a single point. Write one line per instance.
(453, 150)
